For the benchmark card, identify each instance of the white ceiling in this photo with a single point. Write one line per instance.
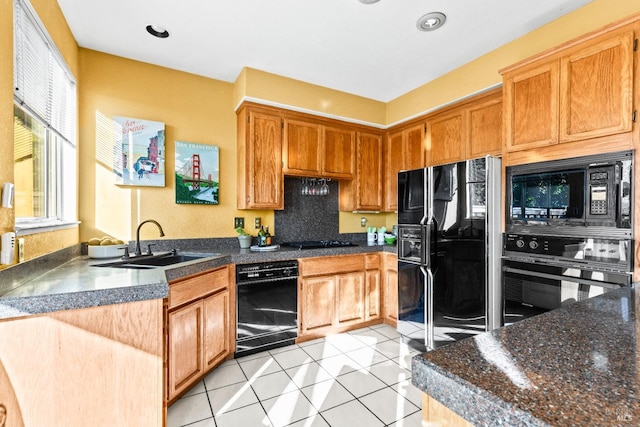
(371, 50)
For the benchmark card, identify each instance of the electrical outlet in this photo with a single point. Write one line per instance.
(20, 249)
(238, 222)
(363, 222)
(257, 222)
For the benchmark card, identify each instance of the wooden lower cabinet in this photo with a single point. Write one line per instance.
(96, 366)
(201, 331)
(390, 286)
(350, 298)
(436, 414)
(337, 293)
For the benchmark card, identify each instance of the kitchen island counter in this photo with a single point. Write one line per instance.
(576, 365)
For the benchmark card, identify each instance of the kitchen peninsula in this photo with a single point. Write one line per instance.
(71, 333)
(576, 365)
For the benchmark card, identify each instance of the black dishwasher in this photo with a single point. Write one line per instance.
(267, 306)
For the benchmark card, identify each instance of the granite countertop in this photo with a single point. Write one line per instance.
(576, 365)
(67, 280)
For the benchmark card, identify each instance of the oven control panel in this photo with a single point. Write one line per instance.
(528, 244)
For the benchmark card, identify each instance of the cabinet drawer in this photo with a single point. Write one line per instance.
(331, 265)
(372, 261)
(183, 291)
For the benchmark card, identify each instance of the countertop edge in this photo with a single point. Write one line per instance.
(459, 395)
(42, 304)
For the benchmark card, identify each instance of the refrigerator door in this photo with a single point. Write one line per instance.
(459, 266)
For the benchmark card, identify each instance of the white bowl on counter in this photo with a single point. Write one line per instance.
(110, 251)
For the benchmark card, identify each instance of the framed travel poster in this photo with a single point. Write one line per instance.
(139, 153)
(197, 173)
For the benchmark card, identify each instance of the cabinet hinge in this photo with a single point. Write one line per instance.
(635, 45)
(634, 116)
(281, 124)
(248, 119)
(425, 128)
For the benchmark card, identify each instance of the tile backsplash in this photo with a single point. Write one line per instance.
(309, 217)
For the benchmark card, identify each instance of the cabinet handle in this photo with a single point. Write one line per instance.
(3, 415)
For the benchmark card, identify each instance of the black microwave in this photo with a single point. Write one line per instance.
(591, 191)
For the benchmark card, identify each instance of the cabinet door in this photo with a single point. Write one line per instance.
(372, 300)
(264, 172)
(596, 95)
(368, 172)
(391, 288)
(301, 148)
(350, 290)
(185, 346)
(393, 163)
(530, 99)
(447, 136)
(413, 148)
(217, 328)
(339, 156)
(485, 127)
(318, 303)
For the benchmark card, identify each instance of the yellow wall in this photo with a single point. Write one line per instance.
(482, 73)
(259, 85)
(194, 109)
(6, 106)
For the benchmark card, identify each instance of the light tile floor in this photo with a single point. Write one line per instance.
(359, 378)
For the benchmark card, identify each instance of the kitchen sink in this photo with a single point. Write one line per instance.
(159, 260)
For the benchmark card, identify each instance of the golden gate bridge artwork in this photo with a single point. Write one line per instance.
(197, 173)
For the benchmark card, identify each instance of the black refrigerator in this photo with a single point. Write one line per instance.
(449, 249)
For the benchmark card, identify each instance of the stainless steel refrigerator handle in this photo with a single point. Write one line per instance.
(578, 280)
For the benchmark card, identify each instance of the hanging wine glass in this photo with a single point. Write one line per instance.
(325, 187)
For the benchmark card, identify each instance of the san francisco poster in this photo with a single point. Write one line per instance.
(197, 173)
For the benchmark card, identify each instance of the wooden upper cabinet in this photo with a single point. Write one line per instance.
(580, 91)
(447, 136)
(596, 88)
(339, 154)
(531, 107)
(403, 150)
(364, 193)
(485, 127)
(301, 148)
(316, 150)
(260, 177)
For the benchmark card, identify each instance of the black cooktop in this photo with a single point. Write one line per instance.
(318, 244)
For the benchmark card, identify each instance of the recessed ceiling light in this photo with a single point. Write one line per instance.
(369, 1)
(431, 21)
(157, 31)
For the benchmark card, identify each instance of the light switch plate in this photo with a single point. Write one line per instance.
(257, 222)
(238, 222)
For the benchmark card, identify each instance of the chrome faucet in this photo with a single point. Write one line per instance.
(138, 250)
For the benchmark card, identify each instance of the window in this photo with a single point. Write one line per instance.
(45, 162)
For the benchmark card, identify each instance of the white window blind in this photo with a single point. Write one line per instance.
(45, 122)
(43, 84)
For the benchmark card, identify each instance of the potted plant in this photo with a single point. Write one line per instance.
(244, 238)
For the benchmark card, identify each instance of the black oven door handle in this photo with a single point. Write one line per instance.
(578, 280)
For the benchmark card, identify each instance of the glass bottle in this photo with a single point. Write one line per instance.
(267, 237)
(262, 237)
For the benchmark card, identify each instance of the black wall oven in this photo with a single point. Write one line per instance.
(542, 273)
(267, 306)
